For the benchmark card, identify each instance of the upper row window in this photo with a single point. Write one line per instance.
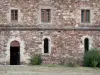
(46, 15)
(14, 15)
(85, 16)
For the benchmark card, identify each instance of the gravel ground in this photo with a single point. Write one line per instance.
(47, 70)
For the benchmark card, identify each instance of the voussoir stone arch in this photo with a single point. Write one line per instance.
(49, 47)
(22, 48)
(89, 39)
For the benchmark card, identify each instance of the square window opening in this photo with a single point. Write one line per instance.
(45, 15)
(14, 15)
(85, 16)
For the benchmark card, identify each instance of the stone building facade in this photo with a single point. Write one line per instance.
(72, 27)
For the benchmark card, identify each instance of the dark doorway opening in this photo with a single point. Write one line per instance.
(14, 56)
(15, 53)
(86, 44)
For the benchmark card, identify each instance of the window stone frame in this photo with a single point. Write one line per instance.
(91, 15)
(9, 15)
(90, 42)
(49, 41)
(51, 15)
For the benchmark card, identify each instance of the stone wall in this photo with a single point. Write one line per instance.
(64, 12)
(65, 44)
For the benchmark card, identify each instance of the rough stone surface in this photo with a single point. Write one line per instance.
(65, 44)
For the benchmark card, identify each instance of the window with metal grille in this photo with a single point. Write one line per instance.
(85, 16)
(14, 15)
(45, 15)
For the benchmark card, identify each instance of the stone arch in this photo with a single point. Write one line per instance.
(47, 39)
(15, 44)
(90, 41)
(15, 53)
(22, 49)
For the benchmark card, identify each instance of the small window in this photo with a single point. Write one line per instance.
(46, 45)
(86, 44)
(45, 15)
(85, 16)
(14, 15)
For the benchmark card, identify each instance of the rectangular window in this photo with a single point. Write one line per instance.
(45, 15)
(85, 16)
(14, 15)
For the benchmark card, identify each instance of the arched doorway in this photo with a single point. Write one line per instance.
(15, 53)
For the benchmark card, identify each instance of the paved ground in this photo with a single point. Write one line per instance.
(47, 70)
